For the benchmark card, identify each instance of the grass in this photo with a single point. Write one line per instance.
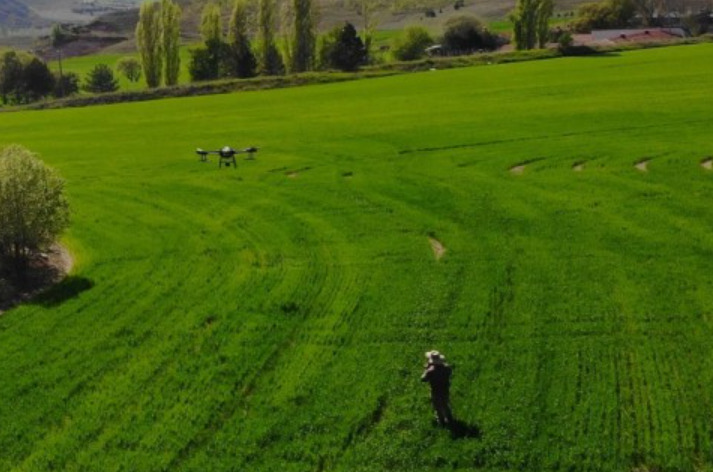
(275, 316)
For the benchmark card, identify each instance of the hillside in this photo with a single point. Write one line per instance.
(16, 14)
(546, 225)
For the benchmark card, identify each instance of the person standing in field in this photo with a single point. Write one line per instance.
(438, 375)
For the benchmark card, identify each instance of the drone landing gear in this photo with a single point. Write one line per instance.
(227, 160)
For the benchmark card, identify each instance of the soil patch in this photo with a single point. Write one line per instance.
(578, 167)
(643, 166)
(518, 169)
(438, 249)
(45, 270)
(707, 163)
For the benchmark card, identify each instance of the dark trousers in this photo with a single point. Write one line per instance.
(442, 408)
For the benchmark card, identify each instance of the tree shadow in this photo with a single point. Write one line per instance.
(67, 289)
(461, 430)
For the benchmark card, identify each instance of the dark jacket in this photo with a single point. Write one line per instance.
(439, 376)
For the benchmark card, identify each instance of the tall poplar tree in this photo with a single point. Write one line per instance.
(243, 59)
(211, 29)
(270, 59)
(303, 43)
(170, 30)
(148, 40)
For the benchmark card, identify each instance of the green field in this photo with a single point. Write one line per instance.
(274, 316)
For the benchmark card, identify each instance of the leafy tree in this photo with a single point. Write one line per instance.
(465, 33)
(148, 40)
(242, 60)
(530, 23)
(348, 51)
(33, 208)
(270, 60)
(604, 15)
(11, 76)
(208, 61)
(211, 29)
(411, 44)
(368, 11)
(38, 81)
(304, 41)
(65, 85)
(101, 80)
(130, 68)
(170, 37)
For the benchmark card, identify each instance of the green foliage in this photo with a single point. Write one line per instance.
(209, 62)
(170, 39)
(100, 80)
(243, 62)
(24, 78)
(411, 44)
(130, 67)
(274, 316)
(604, 15)
(531, 23)
(66, 85)
(304, 41)
(465, 34)
(33, 208)
(148, 41)
(269, 58)
(346, 51)
(211, 28)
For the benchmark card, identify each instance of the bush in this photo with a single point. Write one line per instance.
(66, 85)
(466, 33)
(604, 15)
(101, 80)
(342, 49)
(130, 67)
(209, 62)
(411, 44)
(33, 209)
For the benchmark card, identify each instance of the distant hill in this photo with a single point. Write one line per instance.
(15, 14)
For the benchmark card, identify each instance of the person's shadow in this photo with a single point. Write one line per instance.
(462, 430)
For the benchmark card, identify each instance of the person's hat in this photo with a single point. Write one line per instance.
(435, 357)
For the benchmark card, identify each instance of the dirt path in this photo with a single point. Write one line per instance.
(438, 249)
(45, 271)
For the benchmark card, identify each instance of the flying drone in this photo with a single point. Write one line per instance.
(226, 155)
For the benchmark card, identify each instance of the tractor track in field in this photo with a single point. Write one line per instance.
(538, 138)
(707, 163)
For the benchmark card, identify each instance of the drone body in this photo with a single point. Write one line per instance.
(226, 155)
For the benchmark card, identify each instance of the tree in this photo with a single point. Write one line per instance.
(530, 23)
(545, 8)
(170, 38)
(65, 85)
(38, 81)
(211, 30)
(11, 72)
(148, 40)
(604, 15)
(208, 61)
(411, 44)
(101, 80)
(130, 68)
(348, 51)
(466, 33)
(270, 61)
(33, 208)
(303, 43)
(242, 60)
(369, 11)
